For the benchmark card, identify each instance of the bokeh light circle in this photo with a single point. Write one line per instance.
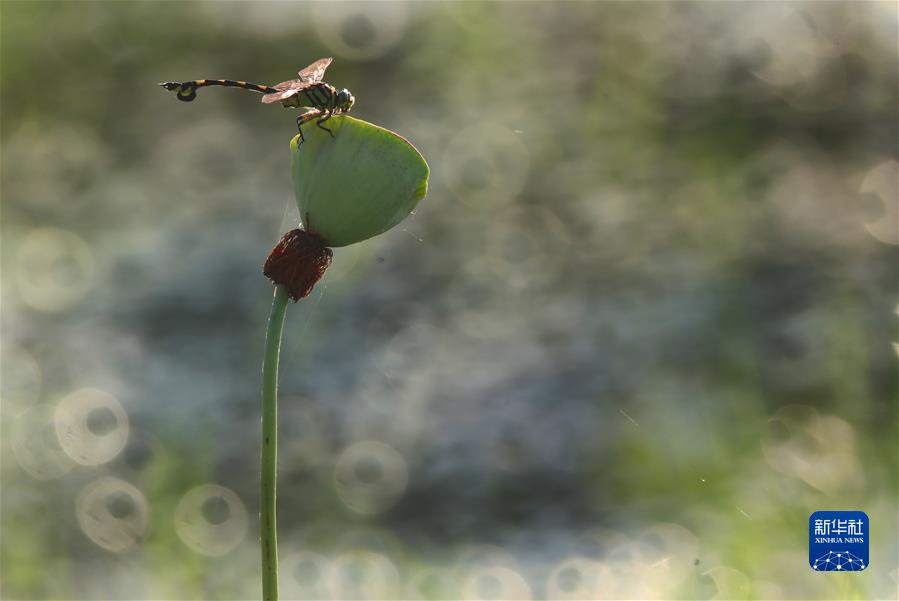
(672, 546)
(486, 165)
(91, 425)
(790, 55)
(882, 182)
(818, 449)
(574, 578)
(791, 48)
(112, 513)
(211, 520)
(518, 255)
(364, 574)
(36, 446)
(361, 31)
(305, 575)
(431, 583)
(370, 476)
(495, 582)
(54, 269)
(142, 451)
(599, 543)
(729, 583)
(479, 556)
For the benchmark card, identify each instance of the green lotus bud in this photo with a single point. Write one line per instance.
(349, 187)
(357, 184)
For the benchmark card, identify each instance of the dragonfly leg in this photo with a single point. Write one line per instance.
(306, 117)
(300, 122)
(322, 120)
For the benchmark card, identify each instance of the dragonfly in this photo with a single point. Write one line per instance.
(321, 100)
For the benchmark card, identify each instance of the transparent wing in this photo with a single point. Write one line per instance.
(309, 76)
(314, 72)
(286, 89)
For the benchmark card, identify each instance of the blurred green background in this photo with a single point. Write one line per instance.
(641, 327)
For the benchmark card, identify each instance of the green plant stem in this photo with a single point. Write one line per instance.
(268, 535)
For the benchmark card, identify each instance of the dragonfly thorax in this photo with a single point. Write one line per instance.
(323, 97)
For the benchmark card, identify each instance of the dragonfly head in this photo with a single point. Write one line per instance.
(345, 100)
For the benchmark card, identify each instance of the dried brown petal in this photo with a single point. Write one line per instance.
(298, 261)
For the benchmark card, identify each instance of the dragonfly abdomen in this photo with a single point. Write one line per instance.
(187, 90)
(230, 83)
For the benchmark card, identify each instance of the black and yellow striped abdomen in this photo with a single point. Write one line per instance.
(234, 84)
(187, 90)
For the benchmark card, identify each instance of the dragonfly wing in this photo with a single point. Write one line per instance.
(314, 72)
(309, 76)
(286, 89)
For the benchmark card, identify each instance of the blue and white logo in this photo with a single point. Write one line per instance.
(838, 541)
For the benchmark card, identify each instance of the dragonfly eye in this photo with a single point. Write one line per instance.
(345, 100)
